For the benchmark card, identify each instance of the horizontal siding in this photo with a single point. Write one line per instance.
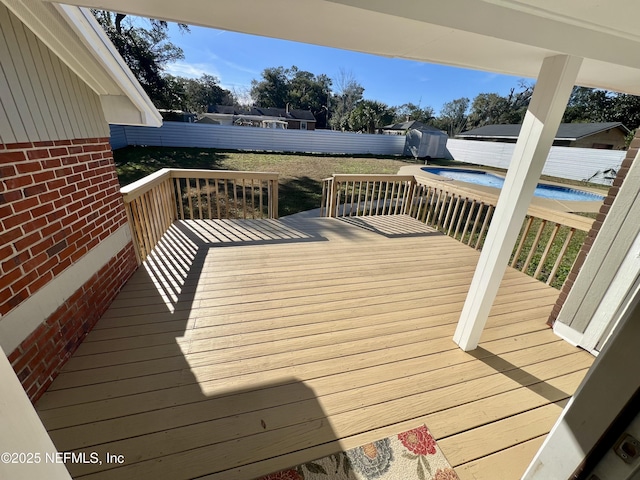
(178, 134)
(41, 99)
(563, 162)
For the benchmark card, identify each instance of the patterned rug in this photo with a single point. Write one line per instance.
(407, 456)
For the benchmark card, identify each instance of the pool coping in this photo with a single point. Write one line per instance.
(559, 205)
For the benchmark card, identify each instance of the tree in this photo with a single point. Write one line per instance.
(368, 115)
(205, 91)
(626, 109)
(411, 111)
(588, 105)
(453, 116)
(491, 108)
(593, 105)
(299, 89)
(487, 109)
(273, 89)
(310, 92)
(348, 92)
(145, 50)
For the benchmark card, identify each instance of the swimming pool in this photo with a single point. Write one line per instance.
(489, 180)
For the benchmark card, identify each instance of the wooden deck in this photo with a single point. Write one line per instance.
(244, 347)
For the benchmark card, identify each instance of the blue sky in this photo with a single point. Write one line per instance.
(237, 58)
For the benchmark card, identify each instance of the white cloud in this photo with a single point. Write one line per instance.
(191, 70)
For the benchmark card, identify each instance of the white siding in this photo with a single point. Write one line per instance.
(564, 162)
(41, 99)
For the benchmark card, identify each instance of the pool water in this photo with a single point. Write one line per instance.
(489, 180)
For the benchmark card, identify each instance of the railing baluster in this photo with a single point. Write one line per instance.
(547, 248)
(534, 246)
(435, 205)
(485, 225)
(244, 200)
(560, 257)
(428, 198)
(523, 237)
(443, 209)
(227, 201)
(385, 208)
(453, 215)
(476, 219)
(460, 217)
(253, 200)
(260, 190)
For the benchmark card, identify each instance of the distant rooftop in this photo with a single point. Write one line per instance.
(408, 126)
(291, 114)
(566, 131)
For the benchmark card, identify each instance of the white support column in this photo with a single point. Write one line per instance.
(550, 96)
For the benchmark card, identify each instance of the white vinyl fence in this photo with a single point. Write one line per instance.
(598, 166)
(179, 134)
(564, 162)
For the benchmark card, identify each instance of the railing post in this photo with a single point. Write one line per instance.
(333, 198)
(274, 200)
(406, 210)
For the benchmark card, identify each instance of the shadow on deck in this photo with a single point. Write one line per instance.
(302, 338)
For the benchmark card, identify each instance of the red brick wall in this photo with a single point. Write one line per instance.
(40, 356)
(602, 214)
(58, 200)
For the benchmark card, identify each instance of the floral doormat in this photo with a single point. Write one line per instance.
(407, 456)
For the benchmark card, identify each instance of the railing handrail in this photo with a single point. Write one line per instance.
(222, 174)
(378, 177)
(138, 188)
(135, 189)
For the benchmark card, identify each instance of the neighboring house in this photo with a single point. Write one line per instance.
(291, 119)
(177, 116)
(605, 135)
(404, 127)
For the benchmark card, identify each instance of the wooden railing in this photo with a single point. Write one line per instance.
(543, 247)
(357, 195)
(155, 201)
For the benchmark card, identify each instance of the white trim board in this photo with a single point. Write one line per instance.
(25, 432)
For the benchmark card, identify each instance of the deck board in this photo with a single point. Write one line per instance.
(244, 347)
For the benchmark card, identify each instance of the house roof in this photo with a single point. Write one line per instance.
(566, 131)
(408, 126)
(225, 109)
(75, 37)
(293, 114)
(503, 36)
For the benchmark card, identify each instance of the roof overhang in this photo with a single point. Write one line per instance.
(74, 35)
(503, 36)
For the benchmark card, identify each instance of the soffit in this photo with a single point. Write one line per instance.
(502, 36)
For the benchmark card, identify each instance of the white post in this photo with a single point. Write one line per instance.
(607, 389)
(550, 96)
